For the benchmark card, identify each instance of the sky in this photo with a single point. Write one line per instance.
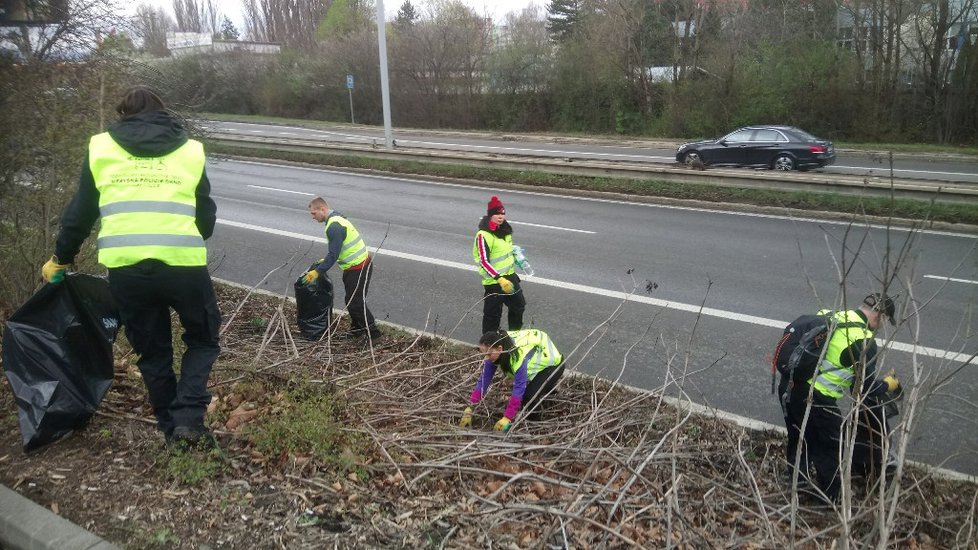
(497, 9)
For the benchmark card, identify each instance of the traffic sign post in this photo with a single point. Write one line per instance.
(349, 88)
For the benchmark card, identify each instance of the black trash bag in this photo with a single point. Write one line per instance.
(313, 305)
(57, 355)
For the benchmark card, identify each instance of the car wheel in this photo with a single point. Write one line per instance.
(783, 162)
(693, 157)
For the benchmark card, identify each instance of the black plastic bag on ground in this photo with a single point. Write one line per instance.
(313, 306)
(57, 355)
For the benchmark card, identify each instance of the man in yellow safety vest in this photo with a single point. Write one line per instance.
(850, 348)
(345, 247)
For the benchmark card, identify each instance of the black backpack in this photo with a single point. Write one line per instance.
(796, 356)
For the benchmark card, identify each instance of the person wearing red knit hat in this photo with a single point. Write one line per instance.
(493, 253)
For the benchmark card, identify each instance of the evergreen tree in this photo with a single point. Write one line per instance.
(228, 30)
(563, 17)
(406, 15)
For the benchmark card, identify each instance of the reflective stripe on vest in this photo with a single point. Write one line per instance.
(147, 205)
(353, 252)
(501, 259)
(832, 379)
(528, 340)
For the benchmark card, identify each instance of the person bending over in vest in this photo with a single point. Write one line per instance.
(346, 248)
(530, 358)
(146, 181)
(850, 347)
(493, 253)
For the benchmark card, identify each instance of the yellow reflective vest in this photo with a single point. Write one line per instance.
(527, 340)
(832, 379)
(353, 252)
(147, 205)
(499, 251)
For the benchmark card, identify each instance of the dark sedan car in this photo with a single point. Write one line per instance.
(774, 147)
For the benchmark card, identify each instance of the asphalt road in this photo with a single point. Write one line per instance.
(620, 284)
(920, 168)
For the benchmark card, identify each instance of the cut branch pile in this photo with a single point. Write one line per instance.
(604, 466)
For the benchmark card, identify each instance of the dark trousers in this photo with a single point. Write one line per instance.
(872, 432)
(793, 407)
(492, 306)
(356, 283)
(822, 439)
(145, 293)
(538, 388)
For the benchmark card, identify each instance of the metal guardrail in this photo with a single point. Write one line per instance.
(740, 178)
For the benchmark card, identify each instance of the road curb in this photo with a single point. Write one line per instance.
(25, 524)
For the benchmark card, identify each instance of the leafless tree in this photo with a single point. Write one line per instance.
(443, 58)
(197, 16)
(152, 24)
(292, 23)
(931, 46)
(83, 23)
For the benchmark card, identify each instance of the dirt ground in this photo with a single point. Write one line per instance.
(351, 445)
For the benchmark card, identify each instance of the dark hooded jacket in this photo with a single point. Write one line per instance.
(152, 134)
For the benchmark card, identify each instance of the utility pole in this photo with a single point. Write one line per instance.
(385, 91)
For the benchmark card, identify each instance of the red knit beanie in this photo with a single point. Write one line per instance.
(495, 207)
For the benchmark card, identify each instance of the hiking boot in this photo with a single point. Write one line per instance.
(185, 437)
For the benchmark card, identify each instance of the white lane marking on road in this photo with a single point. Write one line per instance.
(612, 201)
(617, 295)
(951, 279)
(286, 134)
(557, 227)
(281, 190)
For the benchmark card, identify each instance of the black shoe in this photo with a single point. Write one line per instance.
(185, 437)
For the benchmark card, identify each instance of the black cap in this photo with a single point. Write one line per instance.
(883, 304)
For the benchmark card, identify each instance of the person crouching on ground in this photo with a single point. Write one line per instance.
(530, 358)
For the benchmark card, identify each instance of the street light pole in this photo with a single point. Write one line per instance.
(385, 91)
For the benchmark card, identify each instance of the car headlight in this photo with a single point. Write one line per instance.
(681, 147)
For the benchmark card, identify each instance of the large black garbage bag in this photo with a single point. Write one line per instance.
(57, 355)
(313, 305)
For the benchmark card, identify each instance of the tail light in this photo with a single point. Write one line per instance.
(817, 149)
